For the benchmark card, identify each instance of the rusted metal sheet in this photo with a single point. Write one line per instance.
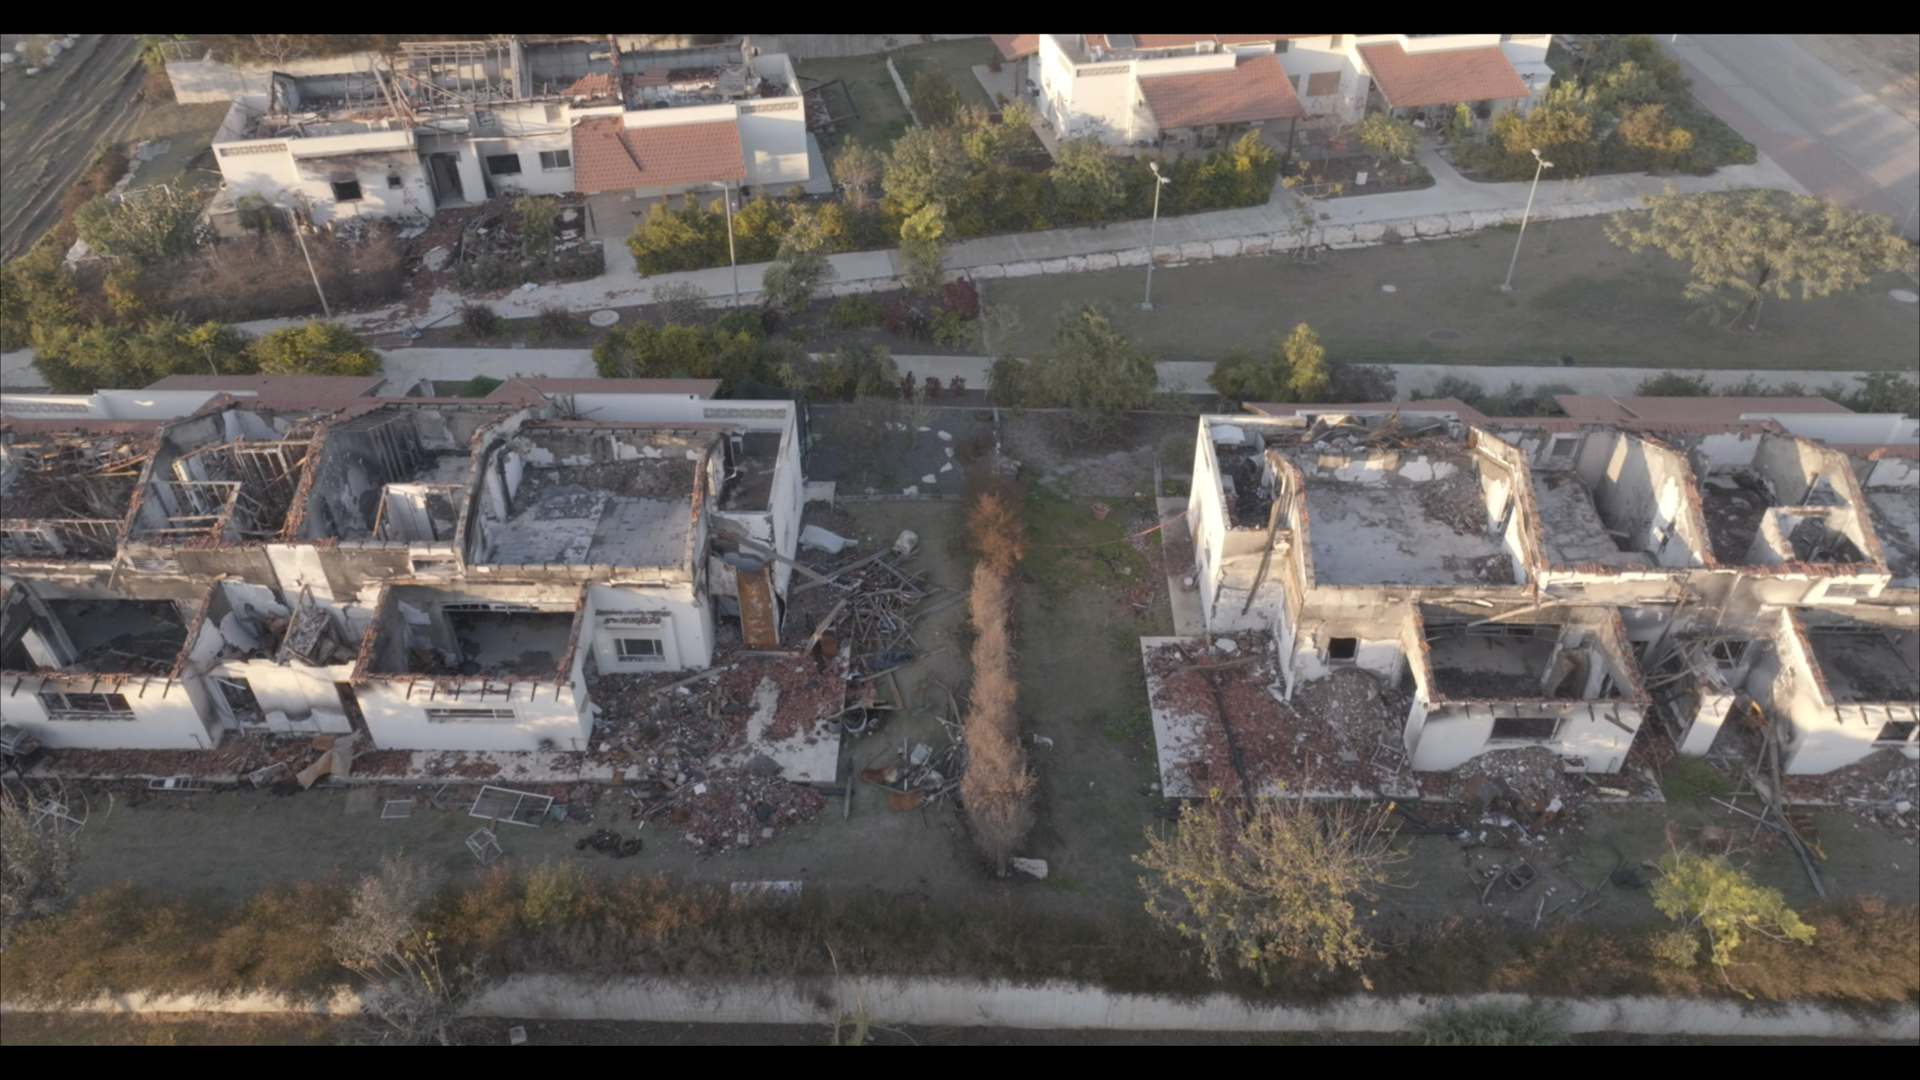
(757, 623)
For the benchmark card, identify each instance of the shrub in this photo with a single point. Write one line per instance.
(1690, 778)
(1536, 1024)
(553, 321)
(1673, 384)
(962, 298)
(997, 788)
(316, 348)
(667, 240)
(949, 328)
(480, 386)
(680, 302)
(903, 319)
(742, 321)
(855, 312)
(935, 101)
(480, 322)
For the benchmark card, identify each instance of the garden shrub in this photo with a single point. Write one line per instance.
(855, 312)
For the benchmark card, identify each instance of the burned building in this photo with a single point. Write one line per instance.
(1512, 579)
(444, 574)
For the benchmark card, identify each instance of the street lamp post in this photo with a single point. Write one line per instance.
(1153, 227)
(1541, 165)
(301, 236)
(726, 193)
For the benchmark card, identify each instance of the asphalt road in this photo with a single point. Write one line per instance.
(1828, 134)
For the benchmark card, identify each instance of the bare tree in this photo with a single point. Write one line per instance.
(278, 48)
(1270, 883)
(410, 994)
(36, 858)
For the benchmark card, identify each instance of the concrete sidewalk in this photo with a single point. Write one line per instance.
(622, 286)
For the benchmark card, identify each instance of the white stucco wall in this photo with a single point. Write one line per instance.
(539, 711)
(164, 716)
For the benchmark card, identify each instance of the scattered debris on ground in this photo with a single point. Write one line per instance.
(1240, 736)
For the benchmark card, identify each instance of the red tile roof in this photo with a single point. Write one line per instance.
(1409, 80)
(1602, 407)
(1253, 89)
(595, 84)
(608, 156)
(1015, 46)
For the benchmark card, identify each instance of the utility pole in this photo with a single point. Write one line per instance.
(1541, 165)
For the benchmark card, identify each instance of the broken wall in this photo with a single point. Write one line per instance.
(1592, 731)
(1645, 490)
(675, 618)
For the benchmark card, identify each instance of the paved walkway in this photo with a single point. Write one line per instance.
(621, 286)
(1831, 136)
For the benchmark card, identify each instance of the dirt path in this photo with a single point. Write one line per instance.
(96, 98)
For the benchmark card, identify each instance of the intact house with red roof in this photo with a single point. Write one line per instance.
(1155, 89)
(445, 124)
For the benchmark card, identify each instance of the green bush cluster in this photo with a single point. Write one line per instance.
(1632, 111)
(737, 351)
(979, 173)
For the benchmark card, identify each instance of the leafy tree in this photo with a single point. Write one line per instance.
(1088, 178)
(927, 165)
(935, 101)
(1745, 245)
(316, 348)
(1562, 132)
(681, 302)
(1646, 139)
(1094, 369)
(923, 247)
(537, 219)
(1293, 368)
(1385, 136)
(857, 169)
(224, 348)
(758, 228)
(36, 289)
(144, 228)
(1884, 392)
(1707, 895)
(1271, 883)
(800, 266)
(667, 240)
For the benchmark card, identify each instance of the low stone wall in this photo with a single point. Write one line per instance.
(1334, 236)
(1046, 1005)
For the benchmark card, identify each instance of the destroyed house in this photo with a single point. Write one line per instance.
(220, 480)
(1789, 514)
(1561, 677)
(689, 520)
(439, 124)
(475, 668)
(1319, 528)
(64, 495)
(388, 491)
(1611, 504)
(1844, 686)
(1890, 484)
(104, 672)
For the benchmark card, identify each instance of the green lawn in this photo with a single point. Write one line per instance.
(1575, 294)
(882, 117)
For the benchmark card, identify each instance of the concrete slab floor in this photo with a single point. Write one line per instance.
(513, 643)
(1376, 535)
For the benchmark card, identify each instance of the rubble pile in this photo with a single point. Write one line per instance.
(741, 808)
(1457, 502)
(1336, 737)
(236, 755)
(1881, 790)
